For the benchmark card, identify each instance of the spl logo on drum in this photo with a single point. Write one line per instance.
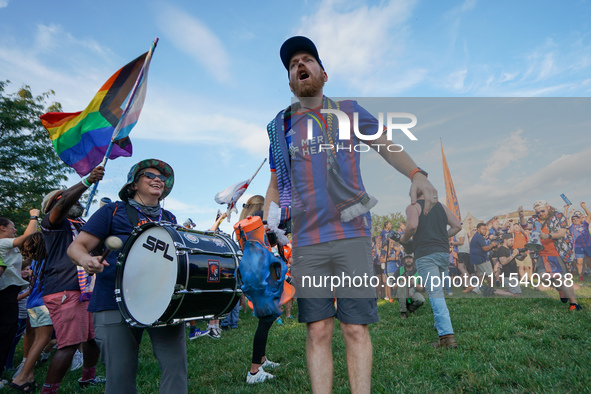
(155, 244)
(213, 271)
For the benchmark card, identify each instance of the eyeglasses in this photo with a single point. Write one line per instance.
(151, 175)
(541, 211)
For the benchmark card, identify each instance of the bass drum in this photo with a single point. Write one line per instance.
(167, 274)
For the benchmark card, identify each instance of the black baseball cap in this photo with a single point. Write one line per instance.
(297, 44)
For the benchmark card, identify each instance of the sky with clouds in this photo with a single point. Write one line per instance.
(216, 80)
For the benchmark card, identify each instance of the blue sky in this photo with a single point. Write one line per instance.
(216, 80)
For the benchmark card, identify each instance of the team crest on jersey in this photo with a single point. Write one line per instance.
(213, 271)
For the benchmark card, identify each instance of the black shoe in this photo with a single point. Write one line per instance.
(225, 328)
(488, 291)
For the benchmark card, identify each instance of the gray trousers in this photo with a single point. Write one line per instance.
(119, 344)
(417, 299)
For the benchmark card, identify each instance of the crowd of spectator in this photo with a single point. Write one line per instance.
(499, 257)
(545, 249)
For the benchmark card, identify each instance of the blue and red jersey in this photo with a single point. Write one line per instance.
(580, 234)
(321, 221)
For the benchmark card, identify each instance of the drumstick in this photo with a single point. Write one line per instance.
(111, 243)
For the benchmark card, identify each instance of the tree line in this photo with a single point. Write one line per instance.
(29, 166)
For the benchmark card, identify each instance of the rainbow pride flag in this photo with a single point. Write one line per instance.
(82, 139)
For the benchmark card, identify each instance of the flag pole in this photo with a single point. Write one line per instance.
(116, 131)
(257, 171)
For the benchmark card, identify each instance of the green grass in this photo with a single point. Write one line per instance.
(532, 344)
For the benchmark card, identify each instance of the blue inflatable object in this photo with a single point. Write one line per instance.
(261, 276)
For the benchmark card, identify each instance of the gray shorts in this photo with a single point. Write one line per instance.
(509, 281)
(39, 316)
(337, 269)
(484, 268)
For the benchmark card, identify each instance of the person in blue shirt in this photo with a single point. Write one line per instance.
(148, 182)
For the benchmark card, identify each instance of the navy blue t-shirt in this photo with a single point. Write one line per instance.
(477, 255)
(109, 220)
(60, 273)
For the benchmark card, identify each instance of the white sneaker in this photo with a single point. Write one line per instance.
(45, 357)
(215, 333)
(477, 290)
(269, 364)
(77, 361)
(258, 377)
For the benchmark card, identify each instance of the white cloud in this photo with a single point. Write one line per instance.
(363, 44)
(194, 38)
(455, 81)
(508, 150)
(75, 81)
(3, 3)
(188, 118)
(505, 77)
(186, 121)
(547, 67)
(564, 174)
(468, 5)
(174, 205)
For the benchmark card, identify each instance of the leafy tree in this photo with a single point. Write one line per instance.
(378, 221)
(29, 166)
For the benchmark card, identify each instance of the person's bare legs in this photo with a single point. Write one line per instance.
(28, 339)
(359, 356)
(42, 335)
(319, 355)
(288, 307)
(60, 364)
(465, 274)
(579, 262)
(568, 291)
(91, 353)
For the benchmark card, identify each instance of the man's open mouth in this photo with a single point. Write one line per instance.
(303, 75)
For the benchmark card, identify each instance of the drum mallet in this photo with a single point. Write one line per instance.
(111, 243)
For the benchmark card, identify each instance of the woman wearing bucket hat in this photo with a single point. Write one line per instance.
(148, 182)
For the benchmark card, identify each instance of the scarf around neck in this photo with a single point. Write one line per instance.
(350, 202)
(152, 211)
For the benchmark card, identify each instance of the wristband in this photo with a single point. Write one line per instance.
(34, 218)
(417, 170)
(85, 182)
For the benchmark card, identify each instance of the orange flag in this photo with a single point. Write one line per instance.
(451, 200)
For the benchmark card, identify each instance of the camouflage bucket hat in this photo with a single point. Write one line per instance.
(161, 166)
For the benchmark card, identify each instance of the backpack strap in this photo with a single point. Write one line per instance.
(132, 215)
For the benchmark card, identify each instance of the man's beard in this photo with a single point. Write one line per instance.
(75, 212)
(310, 88)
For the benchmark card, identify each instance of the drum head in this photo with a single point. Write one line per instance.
(149, 275)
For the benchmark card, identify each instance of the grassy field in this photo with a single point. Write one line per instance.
(532, 344)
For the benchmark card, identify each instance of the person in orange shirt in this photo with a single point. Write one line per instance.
(553, 263)
(520, 238)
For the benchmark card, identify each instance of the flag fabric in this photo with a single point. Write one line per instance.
(451, 199)
(232, 194)
(81, 139)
